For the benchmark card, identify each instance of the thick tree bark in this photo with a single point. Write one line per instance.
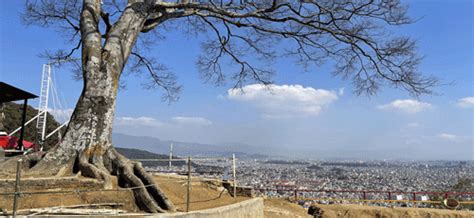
(87, 144)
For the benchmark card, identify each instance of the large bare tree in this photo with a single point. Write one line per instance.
(243, 39)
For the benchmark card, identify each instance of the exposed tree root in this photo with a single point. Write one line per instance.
(148, 196)
(96, 170)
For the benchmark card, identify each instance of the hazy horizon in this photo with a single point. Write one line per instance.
(281, 152)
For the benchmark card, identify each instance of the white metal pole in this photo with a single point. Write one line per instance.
(43, 131)
(233, 174)
(171, 156)
(28, 122)
(43, 100)
(56, 130)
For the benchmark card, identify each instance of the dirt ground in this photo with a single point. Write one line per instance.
(204, 194)
(372, 211)
(51, 194)
(279, 208)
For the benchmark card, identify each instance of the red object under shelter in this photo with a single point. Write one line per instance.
(11, 142)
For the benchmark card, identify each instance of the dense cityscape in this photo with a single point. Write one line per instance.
(330, 182)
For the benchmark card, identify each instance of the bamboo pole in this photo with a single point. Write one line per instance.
(188, 193)
(17, 187)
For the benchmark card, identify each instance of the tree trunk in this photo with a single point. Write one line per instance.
(87, 148)
(87, 144)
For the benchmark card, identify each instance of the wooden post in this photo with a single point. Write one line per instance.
(414, 199)
(188, 193)
(117, 191)
(2, 152)
(233, 174)
(17, 187)
(23, 120)
(365, 197)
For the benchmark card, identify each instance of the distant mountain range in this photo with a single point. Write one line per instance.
(133, 153)
(184, 149)
(243, 151)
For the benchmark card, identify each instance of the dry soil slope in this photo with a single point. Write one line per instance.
(283, 208)
(204, 194)
(371, 211)
(278, 208)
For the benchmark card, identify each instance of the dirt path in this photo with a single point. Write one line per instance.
(204, 194)
(279, 208)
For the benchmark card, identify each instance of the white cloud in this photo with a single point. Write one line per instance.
(201, 121)
(152, 122)
(61, 115)
(467, 102)
(447, 136)
(284, 101)
(409, 106)
(137, 121)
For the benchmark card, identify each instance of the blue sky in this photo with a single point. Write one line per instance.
(333, 121)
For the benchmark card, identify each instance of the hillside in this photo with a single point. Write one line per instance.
(187, 148)
(133, 153)
(13, 113)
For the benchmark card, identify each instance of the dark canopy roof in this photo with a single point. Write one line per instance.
(9, 93)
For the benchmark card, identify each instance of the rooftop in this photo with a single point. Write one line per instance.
(10, 93)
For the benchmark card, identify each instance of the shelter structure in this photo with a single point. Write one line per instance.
(10, 93)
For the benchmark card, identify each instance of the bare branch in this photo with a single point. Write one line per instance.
(63, 15)
(348, 31)
(63, 56)
(247, 36)
(159, 75)
(106, 18)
